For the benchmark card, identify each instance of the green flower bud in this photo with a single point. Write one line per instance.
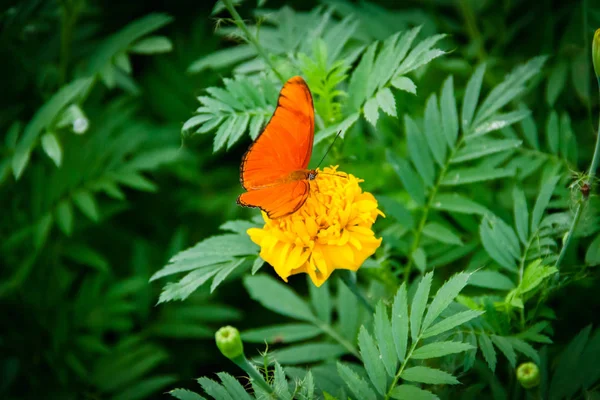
(596, 52)
(529, 375)
(229, 342)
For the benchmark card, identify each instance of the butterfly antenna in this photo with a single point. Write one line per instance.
(329, 148)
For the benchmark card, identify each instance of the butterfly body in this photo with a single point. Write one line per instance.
(274, 171)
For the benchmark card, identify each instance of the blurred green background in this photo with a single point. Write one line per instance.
(78, 243)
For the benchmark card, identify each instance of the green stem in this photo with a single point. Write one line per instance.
(337, 337)
(350, 283)
(252, 372)
(397, 377)
(69, 11)
(251, 38)
(418, 233)
(584, 200)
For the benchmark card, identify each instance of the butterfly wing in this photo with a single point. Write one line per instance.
(285, 145)
(278, 200)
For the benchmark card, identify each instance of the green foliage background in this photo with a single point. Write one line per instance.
(473, 123)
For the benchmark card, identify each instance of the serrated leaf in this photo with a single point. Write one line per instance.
(479, 148)
(257, 265)
(592, 255)
(448, 112)
(357, 88)
(506, 349)
(184, 394)
(238, 129)
(284, 333)
(521, 214)
(277, 297)
(233, 387)
(386, 101)
(410, 392)
(320, 299)
(280, 385)
(439, 349)
(542, 202)
(491, 280)
(534, 275)
(404, 83)
(355, 383)
(441, 234)
(419, 151)
(497, 122)
(371, 111)
(497, 237)
(256, 125)
(188, 284)
(444, 296)
(434, 131)
(419, 302)
(525, 348)
(371, 359)
(412, 183)
(224, 273)
(471, 97)
(222, 58)
(428, 375)
(224, 132)
(213, 389)
(419, 257)
(385, 339)
(456, 203)
(487, 349)
(465, 176)
(400, 320)
(451, 322)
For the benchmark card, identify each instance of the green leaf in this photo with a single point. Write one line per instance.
(525, 348)
(534, 275)
(441, 234)
(439, 349)
(483, 147)
(542, 202)
(471, 97)
(371, 359)
(419, 257)
(386, 101)
(451, 322)
(412, 183)
(87, 256)
(497, 122)
(188, 284)
(184, 394)
(357, 88)
(257, 265)
(419, 302)
(152, 45)
(52, 148)
(521, 214)
(487, 349)
(284, 333)
(506, 349)
(530, 132)
(410, 392)
(371, 111)
(84, 200)
(444, 296)
(592, 255)
(347, 304)
(280, 386)
(213, 389)
(233, 387)
(500, 242)
(356, 384)
(449, 113)
(135, 180)
(428, 375)
(456, 203)
(491, 280)
(320, 299)
(43, 119)
(227, 269)
(419, 151)
(222, 58)
(277, 297)
(434, 131)
(145, 388)
(552, 132)
(400, 322)
(556, 82)
(64, 217)
(397, 210)
(465, 176)
(385, 339)
(404, 83)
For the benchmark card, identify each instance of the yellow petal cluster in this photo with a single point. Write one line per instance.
(332, 230)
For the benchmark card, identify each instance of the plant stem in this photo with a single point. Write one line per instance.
(251, 38)
(350, 283)
(256, 376)
(69, 11)
(395, 381)
(338, 338)
(584, 200)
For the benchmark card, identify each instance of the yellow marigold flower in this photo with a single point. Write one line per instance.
(332, 230)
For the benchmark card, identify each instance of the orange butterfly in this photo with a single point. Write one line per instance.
(274, 169)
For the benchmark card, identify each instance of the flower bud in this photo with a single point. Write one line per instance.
(529, 375)
(596, 53)
(229, 342)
